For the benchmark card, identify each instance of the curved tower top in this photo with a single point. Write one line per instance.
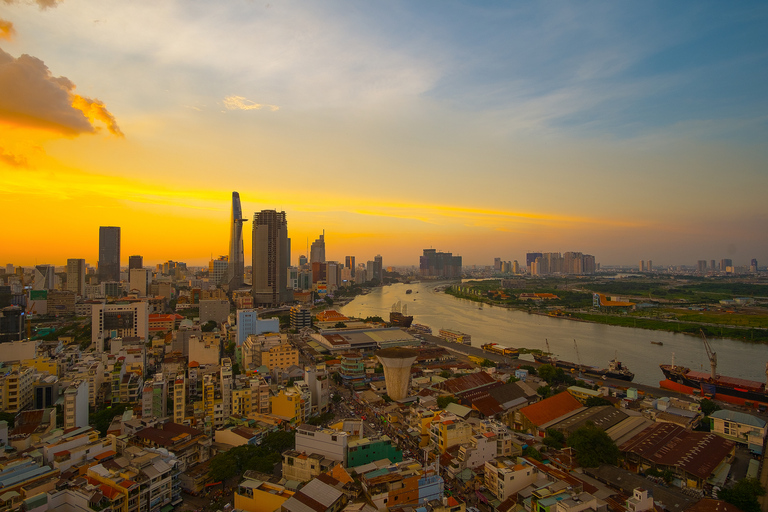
(236, 267)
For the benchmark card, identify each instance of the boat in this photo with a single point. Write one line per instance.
(398, 319)
(735, 390)
(615, 370)
(455, 336)
(408, 291)
(501, 350)
(657, 343)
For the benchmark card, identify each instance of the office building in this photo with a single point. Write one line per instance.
(641, 267)
(135, 261)
(753, 265)
(530, 258)
(317, 250)
(701, 266)
(378, 268)
(248, 323)
(138, 281)
(649, 266)
(44, 277)
(725, 263)
(218, 271)
(350, 264)
(270, 258)
(76, 276)
(109, 253)
(236, 267)
(118, 320)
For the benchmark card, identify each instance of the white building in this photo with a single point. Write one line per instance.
(118, 320)
(76, 404)
(323, 441)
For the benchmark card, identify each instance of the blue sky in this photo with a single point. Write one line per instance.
(627, 130)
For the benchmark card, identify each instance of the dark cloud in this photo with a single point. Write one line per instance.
(31, 96)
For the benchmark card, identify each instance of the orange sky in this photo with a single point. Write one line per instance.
(148, 117)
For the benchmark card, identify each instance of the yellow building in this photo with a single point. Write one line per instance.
(43, 365)
(449, 430)
(257, 496)
(289, 405)
(241, 402)
(281, 356)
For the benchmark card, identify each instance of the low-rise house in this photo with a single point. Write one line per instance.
(187, 444)
(303, 468)
(259, 496)
(740, 428)
(505, 477)
(322, 494)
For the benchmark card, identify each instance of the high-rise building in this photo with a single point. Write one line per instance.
(753, 265)
(649, 266)
(349, 262)
(497, 264)
(317, 250)
(641, 267)
(302, 260)
(270, 258)
(44, 277)
(135, 261)
(530, 258)
(725, 263)
(701, 266)
(218, 270)
(236, 267)
(439, 264)
(377, 268)
(76, 276)
(712, 265)
(138, 281)
(109, 253)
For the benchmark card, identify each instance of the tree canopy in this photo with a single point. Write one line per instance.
(708, 406)
(443, 401)
(261, 458)
(595, 401)
(744, 494)
(593, 447)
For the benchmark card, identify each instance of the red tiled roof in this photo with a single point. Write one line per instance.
(551, 408)
(467, 382)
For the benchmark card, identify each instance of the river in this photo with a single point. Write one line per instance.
(597, 343)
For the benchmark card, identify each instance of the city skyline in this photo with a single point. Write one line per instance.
(632, 132)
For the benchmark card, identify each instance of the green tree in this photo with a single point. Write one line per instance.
(744, 494)
(328, 300)
(374, 319)
(101, 418)
(446, 374)
(708, 406)
(554, 438)
(533, 453)
(209, 326)
(595, 401)
(443, 401)
(512, 379)
(336, 398)
(487, 363)
(593, 447)
(8, 417)
(387, 399)
(531, 369)
(550, 374)
(340, 325)
(336, 376)
(544, 391)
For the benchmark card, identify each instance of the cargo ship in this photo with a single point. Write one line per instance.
(615, 370)
(738, 391)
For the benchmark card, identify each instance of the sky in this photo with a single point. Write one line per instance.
(627, 130)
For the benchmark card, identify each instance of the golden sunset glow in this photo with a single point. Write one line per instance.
(148, 117)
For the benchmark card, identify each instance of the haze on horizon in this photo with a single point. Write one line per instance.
(626, 131)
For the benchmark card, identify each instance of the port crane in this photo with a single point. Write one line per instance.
(711, 355)
(578, 357)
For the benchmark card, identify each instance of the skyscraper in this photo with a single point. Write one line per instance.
(236, 266)
(350, 264)
(317, 250)
(135, 262)
(109, 253)
(76, 276)
(270, 258)
(377, 268)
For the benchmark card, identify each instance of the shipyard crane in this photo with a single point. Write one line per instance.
(711, 355)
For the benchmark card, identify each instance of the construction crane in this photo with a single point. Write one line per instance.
(578, 357)
(711, 355)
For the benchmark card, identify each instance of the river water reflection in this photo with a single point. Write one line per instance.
(597, 343)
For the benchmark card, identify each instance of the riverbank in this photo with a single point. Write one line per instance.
(748, 334)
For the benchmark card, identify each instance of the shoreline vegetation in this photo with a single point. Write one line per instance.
(671, 314)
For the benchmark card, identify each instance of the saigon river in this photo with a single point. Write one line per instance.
(597, 343)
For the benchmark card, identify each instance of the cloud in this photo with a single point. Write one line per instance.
(43, 4)
(31, 96)
(6, 30)
(240, 103)
(11, 159)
